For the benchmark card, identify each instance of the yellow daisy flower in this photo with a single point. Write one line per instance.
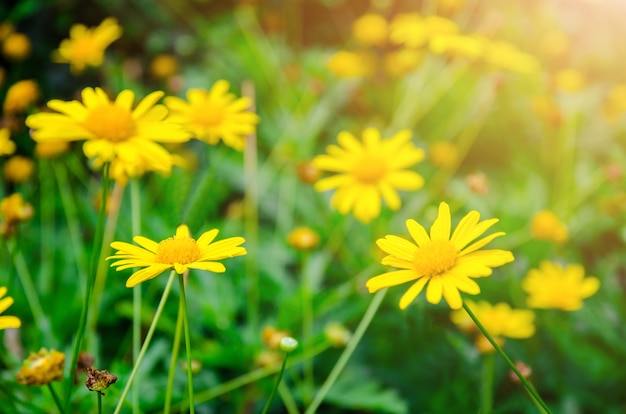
(554, 287)
(446, 263)
(500, 320)
(368, 170)
(180, 253)
(16, 46)
(112, 129)
(20, 96)
(215, 114)
(86, 46)
(7, 321)
(7, 147)
(545, 225)
(42, 368)
(370, 30)
(347, 64)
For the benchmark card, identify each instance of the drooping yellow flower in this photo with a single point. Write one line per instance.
(7, 147)
(447, 264)
(42, 368)
(367, 170)
(346, 64)
(7, 321)
(555, 287)
(18, 169)
(112, 129)
(16, 46)
(500, 320)
(20, 96)
(370, 30)
(86, 46)
(215, 115)
(163, 66)
(546, 225)
(180, 252)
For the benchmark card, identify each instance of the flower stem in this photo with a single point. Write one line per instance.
(278, 379)
(183, 305)
(175, 348)
(135, 212)
(93, 268)
(146, 343)
(531, 390)
(56, 399)
(307, 325)
(486, 391)
(347, 353)
(99, 403)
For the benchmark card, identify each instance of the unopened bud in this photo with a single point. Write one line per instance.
(288, 344)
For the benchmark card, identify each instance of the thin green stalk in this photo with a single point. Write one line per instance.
(527, 385)
(307, 326)
(347, 353)
(93, 268)
(146, 343)
(278, 379)
(183, 305)
(486, 391)
(175, 348)
(135, 212)
(288, 400)
(26, 280)
(99, 403)
(251, 377)
(55, 397)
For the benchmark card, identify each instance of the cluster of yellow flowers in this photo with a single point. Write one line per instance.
(406, 38)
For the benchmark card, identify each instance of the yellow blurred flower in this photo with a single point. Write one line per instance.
(369, 169)
(552, 286)
(402, 61)
(7, 321)
(449, 7)
(16, 46)
(112, 129)
(42, 368)
(337, 334)
(570, 80)
(14, 209)
(555, 44)
(180, 253)
(51, 149)
(164, 66)
(504, 56)
(444, 154)
(7, 147)
(6, 28)
(545, 225)
(271, 337)
(370, 30)
(20, 96)
(546, 108)
(414, 31)
(215, 115)
(18, 169)
(499, 320)
(447, 263)
(346, 64)
(614, 105)
(303, 238)
(86, 46)
(458, 46)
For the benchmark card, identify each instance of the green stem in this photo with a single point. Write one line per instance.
(251, 377)
(486, 391)
(135, 212)
(93, 268)
(307, 326)
(39, 317)
(288, 400)
(56, 399)
(99, 403)
(146, 343)
(183, 305)
(347, 353)
(278, 379)
(175, 348)
(529, 388)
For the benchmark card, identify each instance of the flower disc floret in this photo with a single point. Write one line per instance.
(447, 263)
(180, 253)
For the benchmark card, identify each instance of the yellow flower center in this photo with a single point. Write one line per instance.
(182, 250)
(208, 115)
(435, 258)
(83, 49)
(110, 122)
(370, 169)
